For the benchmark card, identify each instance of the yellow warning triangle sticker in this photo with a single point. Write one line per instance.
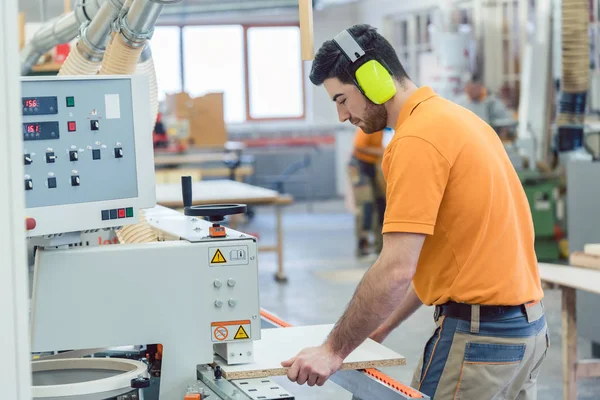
(218, 258)
(241, 333)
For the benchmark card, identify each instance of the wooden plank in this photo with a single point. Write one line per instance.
(305, 9)
(581, 259)
(569, 343)
(277, 345)
(570, 276)
(588, 369)
(216, 191)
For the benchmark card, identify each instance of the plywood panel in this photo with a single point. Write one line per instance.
(277, 345)
(581, 259)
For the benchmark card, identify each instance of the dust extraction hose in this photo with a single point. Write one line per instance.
(575, 62)
(77, 64)
(146, 67)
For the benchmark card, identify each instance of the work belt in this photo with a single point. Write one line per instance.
(476, 313)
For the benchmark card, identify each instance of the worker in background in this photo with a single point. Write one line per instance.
(457, 234)
(488, 107)
(367, 188)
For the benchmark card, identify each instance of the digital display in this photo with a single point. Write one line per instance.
(40, 105)
(40, 131)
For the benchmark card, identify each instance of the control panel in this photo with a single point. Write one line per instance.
(87, 151)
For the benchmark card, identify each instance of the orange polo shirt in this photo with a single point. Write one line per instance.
(449, 177)
(363, 140)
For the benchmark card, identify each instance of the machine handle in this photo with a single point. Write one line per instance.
(140, 383)
(186, 189)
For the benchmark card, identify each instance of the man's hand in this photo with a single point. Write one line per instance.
(313, 365)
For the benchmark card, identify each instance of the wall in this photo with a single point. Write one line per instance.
(374, 12)
(327, 23)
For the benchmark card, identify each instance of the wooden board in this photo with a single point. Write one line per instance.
(571, 276)
(216, 191)
(581, 259)
(280, 344)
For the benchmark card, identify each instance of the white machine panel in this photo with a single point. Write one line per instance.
(88, 157)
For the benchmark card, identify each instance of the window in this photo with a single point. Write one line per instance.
(275, 79)
(165, 45)
(213, 61)
(239, 61)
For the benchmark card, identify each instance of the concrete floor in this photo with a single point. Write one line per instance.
(323, 273)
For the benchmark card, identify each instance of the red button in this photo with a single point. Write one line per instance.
(71, 126)
(121, 213)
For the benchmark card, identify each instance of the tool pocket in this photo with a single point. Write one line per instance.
(488, 369)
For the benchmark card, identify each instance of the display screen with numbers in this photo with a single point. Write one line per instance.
(40, 105)
(40, 131)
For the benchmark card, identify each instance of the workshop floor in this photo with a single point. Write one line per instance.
(323, 273)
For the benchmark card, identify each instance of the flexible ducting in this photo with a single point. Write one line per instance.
(575, 80)
(87, 56)
(58, 31)
(145, 67)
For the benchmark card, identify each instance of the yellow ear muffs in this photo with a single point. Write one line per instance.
(375, 81)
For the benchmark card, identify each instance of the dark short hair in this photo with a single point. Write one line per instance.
(329, 61)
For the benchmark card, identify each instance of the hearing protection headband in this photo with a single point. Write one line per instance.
(371, 76)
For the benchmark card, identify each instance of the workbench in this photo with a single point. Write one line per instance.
(227, 192)
(569, 279)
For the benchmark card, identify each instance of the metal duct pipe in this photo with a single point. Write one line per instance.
(57, 31)
(97, 33)
(138, 24)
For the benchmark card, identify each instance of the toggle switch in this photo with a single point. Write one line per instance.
(50, 157)
(28, 184)
(95, 125)
(27, 159)
(74, 155)
(118, 152)
(75, 181)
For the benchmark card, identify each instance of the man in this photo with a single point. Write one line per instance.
(488, 107)
(369, 195)
(457, 226)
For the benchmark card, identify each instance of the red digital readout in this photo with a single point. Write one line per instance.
(32, 128)
(31, 103)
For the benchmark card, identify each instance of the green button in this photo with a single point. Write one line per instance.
(129, 212)
(70, 101)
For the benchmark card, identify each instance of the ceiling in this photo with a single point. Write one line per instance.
(44, 10)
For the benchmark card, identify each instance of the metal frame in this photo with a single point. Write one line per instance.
(15, 373)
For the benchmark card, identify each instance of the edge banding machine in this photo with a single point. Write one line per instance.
(88, 163)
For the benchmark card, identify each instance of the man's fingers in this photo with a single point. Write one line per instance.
(312, 379)
(288, 363)
(302, 375)
(293, 371)
(321, 381)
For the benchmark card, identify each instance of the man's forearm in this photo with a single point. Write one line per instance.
(409, 305)
(372, 151)
(380, 291)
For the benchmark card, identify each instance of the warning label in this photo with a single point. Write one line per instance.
(241, 333)
(228, 256)
(218, 258)
(220, 330)
(220, 333)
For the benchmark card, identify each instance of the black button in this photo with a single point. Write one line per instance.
(27, 159)
(75, 180)
(105, 215)
(113, 214)
(96, 154)
(50, 157)
(51, 183)
(94, 125)
(73, 155)
(28, 184)
(118, 152)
